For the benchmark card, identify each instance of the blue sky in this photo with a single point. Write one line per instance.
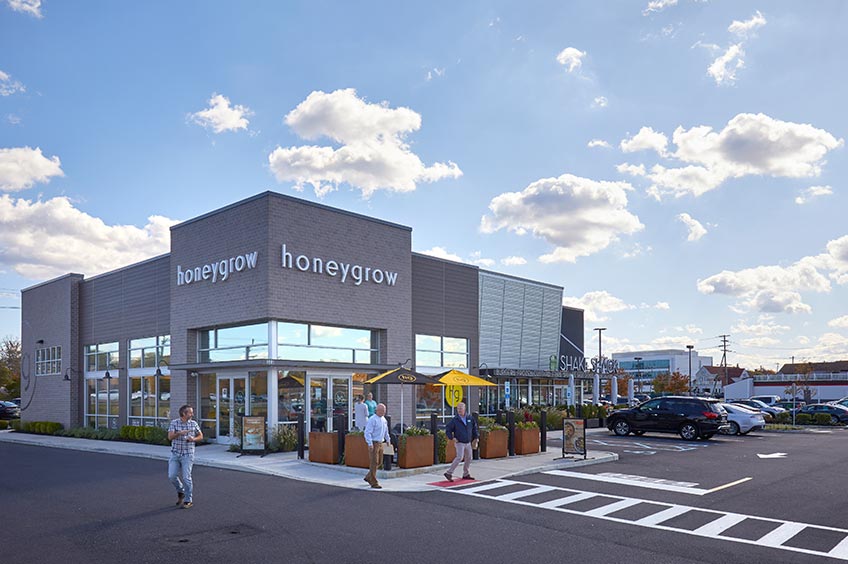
(675, 165)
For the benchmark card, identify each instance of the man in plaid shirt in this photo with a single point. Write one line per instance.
(183, 434)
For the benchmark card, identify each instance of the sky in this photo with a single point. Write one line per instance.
(675, 165)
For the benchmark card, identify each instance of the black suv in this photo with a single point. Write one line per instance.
(690, 417)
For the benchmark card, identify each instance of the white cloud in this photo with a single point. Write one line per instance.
(657, 6)
(571, 58)
(21, 167)
(442, 253)
(690, 329)
(373, 154)
(78, 242)
(598, 143)
(813, 192)
(646, 139)
(743, 29)
(750, 144)
(578, 216)
(696, 230)
(662, 306)
(478, 259)
(9, 86)
(637, 250)
(840, 322)
(600, 102)
(435, 73)
(220, 116)
(13, 119)
(765, 326)
(769, 289)
(755, 342)
(513, 261)
(596, 304)
(31, 7)
(633, 170)
(829, 347)
(723, 69)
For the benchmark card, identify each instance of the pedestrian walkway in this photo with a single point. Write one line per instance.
(287, 465)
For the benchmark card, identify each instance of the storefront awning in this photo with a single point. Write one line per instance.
(506, 373)
(277, 364)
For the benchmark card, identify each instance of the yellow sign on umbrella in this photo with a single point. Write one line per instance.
(453, 395)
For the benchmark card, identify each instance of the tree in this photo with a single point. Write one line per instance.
(761, 371)
(10, 366)
(667, 383)
(803, 383)
(623, 378)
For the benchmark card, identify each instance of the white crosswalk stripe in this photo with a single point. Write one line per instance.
(662, 518)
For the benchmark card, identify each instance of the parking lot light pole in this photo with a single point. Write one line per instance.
(638, 360)
(691, 391)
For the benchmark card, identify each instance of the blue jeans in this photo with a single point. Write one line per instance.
(179, 472)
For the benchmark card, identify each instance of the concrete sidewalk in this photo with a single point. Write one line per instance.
(287, 465)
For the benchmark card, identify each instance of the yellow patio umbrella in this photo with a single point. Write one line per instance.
(457, 378)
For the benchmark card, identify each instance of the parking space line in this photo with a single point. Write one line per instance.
(782, 532)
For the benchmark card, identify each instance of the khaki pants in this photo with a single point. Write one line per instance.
(375, 459)
(462, 450)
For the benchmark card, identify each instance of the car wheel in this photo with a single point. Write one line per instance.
(734, 429)
(621, 428)
(688, 431)
(834, 420)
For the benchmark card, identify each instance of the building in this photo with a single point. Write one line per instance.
(644, 366)
(276, 306)
(711, 380)
(812, 382)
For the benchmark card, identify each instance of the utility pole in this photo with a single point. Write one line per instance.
(723, 359)
(691, 391)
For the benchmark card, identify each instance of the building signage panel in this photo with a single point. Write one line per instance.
(217, 270)
(581, 364)
(344, 271)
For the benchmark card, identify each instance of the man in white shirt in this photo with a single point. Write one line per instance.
(376, 433)
(360, 412)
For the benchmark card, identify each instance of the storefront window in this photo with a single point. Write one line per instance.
(429, 399)
(147, 353)
(433, 351)
(207, 404)
(290, 394)
(324, 343)
(102, 356)
(246, 342)
(259, 394)
(101, 407)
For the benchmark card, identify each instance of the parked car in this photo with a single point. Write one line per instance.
(768, 400)
(788, 405)
(838, 413)
(690, 417)
(757, 404)
(742, 421)
(17, 401)
(8, 410)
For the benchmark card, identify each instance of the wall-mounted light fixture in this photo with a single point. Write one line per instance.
(159, 367)
(68, 372)
(39, 342)
(107, 376)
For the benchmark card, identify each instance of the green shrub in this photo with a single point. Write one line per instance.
(527, 425)
(803, 419)
(4, 424)
(16, 424)
(442, 439)
(284, 438)
(822, 418)
(37, 427)
(783, 417)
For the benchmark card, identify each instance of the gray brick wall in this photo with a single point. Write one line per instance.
(47, 311)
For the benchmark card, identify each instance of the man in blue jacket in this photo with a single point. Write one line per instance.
(462, 430)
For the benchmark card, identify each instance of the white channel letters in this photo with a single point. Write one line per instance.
(345, 271)
(217, 270)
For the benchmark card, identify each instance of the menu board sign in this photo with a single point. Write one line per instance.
(253, 434)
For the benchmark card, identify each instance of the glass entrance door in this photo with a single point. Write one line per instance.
(231, 405)
(327, 397)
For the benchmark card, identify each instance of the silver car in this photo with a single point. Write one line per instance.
(742, 420)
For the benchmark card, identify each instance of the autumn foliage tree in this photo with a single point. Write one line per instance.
(675, 383)
(10, 367)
